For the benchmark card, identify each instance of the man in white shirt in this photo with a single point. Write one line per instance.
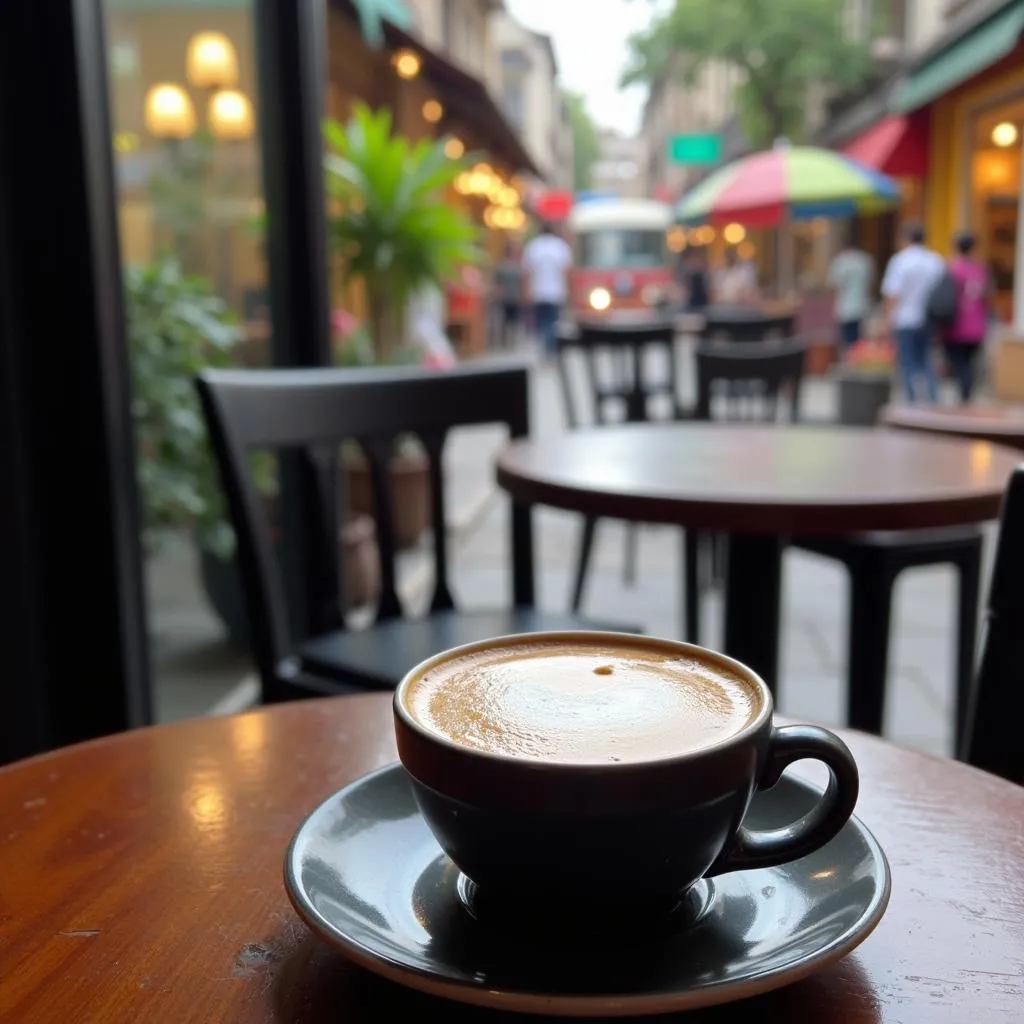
(911, 276)
(547, 260)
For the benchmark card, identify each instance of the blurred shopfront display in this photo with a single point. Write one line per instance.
(950, 128)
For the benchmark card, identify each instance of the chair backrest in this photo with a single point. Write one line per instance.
(747, 327)
(738, 382)
(309, 413)
(613, 357)
(993, 737)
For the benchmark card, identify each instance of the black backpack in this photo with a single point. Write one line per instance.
(944, 301)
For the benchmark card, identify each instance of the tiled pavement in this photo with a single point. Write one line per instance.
(195, 670)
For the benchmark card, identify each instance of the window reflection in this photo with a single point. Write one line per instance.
(183, 99)
(190, 208)
(611, 249)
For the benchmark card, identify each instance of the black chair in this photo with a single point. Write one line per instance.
(874, 560)
(744, 325)
(619, 392)
(992, 738)
(737, 382)
(311, 412)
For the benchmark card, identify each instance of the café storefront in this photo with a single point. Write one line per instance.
(971, 86)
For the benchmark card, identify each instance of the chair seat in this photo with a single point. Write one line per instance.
(908, 545)
(378, 657)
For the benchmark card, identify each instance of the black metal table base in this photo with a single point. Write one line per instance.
(753, 589)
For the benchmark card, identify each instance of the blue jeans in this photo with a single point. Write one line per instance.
(545, 322)
(849, 333)
(962, 357)
(914, 350)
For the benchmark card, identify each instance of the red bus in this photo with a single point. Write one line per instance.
(622, 260)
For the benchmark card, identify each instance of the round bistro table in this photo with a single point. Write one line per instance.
(1000, 424)
(141, 880)
(760, 485)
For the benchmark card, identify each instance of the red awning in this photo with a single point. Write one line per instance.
(896, 145)
(553, 205)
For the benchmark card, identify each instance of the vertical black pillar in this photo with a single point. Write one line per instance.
(291, 40)
(73, 657)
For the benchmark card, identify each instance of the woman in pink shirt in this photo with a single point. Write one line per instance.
(964, 339)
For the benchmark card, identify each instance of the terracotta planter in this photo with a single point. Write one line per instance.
(820, 357)
(360, 562)
(410, 490)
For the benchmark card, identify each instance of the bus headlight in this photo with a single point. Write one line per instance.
(600, 299)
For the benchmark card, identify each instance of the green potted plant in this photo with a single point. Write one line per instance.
(865, 381)
(392, 230)
(176, 328)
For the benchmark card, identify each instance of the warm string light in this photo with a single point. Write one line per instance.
(406, 63)
(1005, 134)
(676, 239)
(734, 233)
(504, 210)
(504, 218)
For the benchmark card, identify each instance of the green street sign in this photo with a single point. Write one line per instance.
(695, 149)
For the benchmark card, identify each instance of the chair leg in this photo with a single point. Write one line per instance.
(583, 561)
(871, 587)
(966, 640)
(692, 584)
(716, 545)
(629, 564)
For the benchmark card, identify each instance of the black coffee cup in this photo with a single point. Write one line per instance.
(621, 837)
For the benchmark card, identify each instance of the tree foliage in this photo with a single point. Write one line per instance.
(785, 52)
(586, 146)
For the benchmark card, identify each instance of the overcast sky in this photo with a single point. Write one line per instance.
(590, 41)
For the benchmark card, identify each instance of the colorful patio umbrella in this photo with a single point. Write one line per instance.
(788, 182)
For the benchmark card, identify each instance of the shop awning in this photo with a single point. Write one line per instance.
(968, 50)
(467, 100)
(897, 146)
(373, 14)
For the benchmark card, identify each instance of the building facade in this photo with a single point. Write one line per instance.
(526, 83)
(677, 108)
(619, 168)
(461, 30)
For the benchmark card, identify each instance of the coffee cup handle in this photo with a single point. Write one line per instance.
(764, 848)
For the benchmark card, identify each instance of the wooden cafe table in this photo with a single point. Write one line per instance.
(999, 424)
(759, 485)
(141, 881)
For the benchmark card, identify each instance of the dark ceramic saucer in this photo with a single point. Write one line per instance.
(365, 873)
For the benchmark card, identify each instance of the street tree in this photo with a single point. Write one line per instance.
(586, 146)
(785, 53)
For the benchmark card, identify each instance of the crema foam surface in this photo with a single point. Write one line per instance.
(582, 703)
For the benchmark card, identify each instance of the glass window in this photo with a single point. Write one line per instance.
(183, 102)
(610, 249)
(512, 100)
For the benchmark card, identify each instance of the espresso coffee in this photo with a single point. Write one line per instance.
(576, 701)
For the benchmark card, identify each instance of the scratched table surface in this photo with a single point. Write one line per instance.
(141, 881)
